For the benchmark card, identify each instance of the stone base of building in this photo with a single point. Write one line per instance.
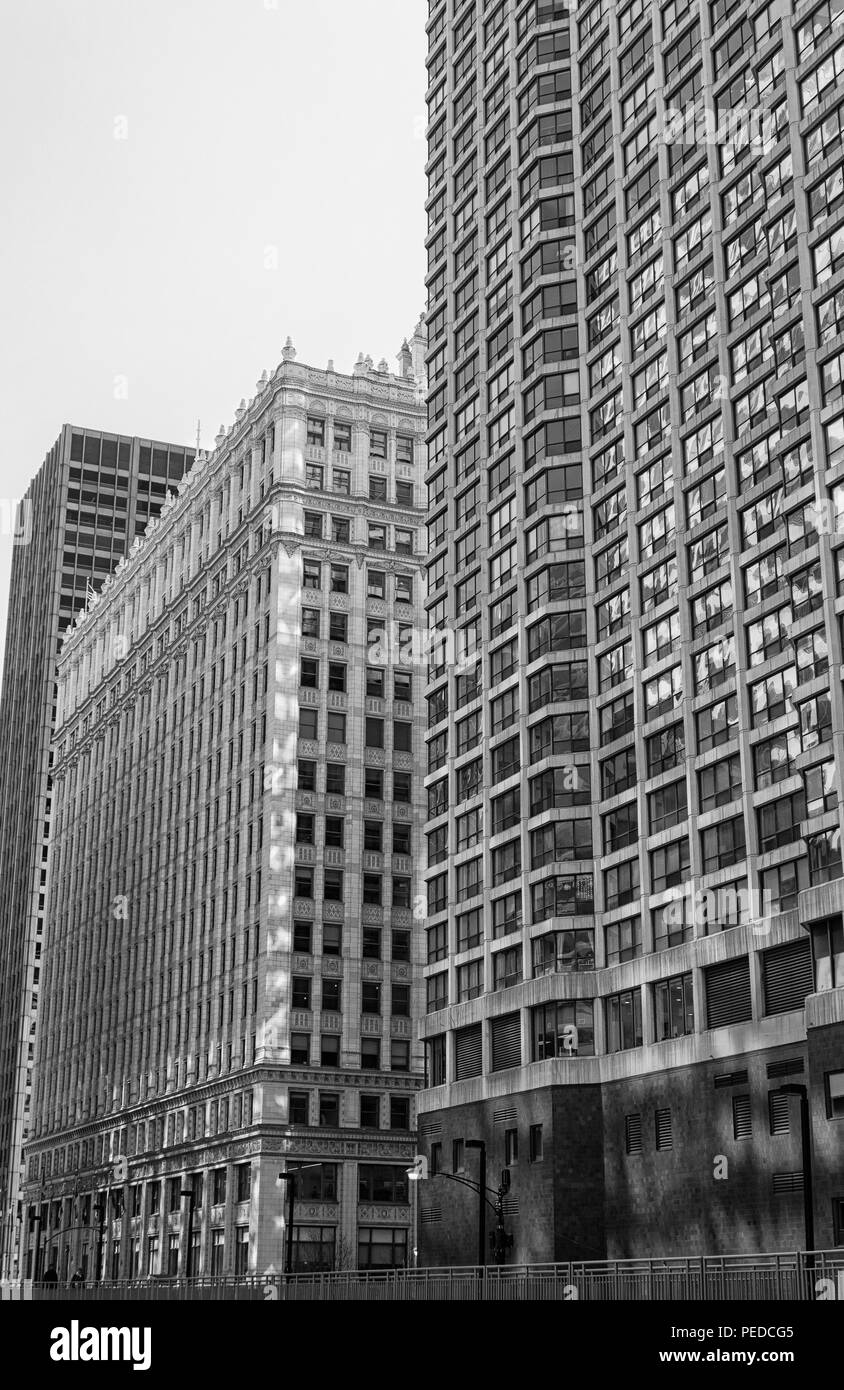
(689, 1161)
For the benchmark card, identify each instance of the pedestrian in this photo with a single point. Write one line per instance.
(78, 1277)
(51, 1275)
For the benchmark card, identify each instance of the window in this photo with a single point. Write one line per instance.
(334, 831)
(301, 992)
(342, 438)
(470, 981)
(219, 1176)
(330, 1109)
(624, 1020)
(330, 995)
(382, 1247)
(311, 618)
(314, 1248)
(243, 1182)
(314, 1183)
(374, 733)
(329, 1050)
(335, 779)
(511, 1147)
(834, 1091)
(535, 1153)
(562, 1030)
(674, 1007)
(331, 939)
(370, 1112)
(381, 1182)
(370, 997)
(723, 844)
(371, 944)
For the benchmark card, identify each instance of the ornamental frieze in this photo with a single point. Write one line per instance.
(318, 1211)
(343, 1148)
(375, 1213)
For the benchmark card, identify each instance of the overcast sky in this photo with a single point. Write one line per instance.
(185, 183)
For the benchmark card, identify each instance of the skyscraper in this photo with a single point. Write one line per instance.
(80, 515)
(636, 443)
(232, 970)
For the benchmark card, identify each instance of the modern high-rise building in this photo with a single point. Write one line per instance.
(80, 515)
(636, 554)
(231, 967)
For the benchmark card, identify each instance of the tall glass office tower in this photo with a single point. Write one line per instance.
(636, 479)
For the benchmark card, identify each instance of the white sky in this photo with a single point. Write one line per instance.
(258, 133)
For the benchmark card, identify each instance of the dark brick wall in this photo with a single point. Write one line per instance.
(579, 1173)
(826, 1053)
(589, 1199)
(670, 1202)
(530, 1212)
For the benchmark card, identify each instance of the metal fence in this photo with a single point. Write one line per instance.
(792, 1276)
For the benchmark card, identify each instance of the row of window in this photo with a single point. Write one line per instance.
(566, 1028)
(372, 946)
(341, 483)
(303, 1109)
(375, 1055)
(376, 535)
(372, 996)
(334, 833)
(341, 440)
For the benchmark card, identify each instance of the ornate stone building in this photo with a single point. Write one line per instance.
(229, 991)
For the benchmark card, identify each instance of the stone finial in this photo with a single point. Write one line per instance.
(241, 409)
(360, 365)
(383, 365)
(220, 437)
(288, 352)
(262, 382)
(330, 367)
(405, 360)
(368, 362)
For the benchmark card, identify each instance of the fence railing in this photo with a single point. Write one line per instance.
(788, 1276)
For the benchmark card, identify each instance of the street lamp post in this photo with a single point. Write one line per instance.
(290, 1177)
(100, 1211)
(480, 1145)
(793, 1088)
(191, 1196)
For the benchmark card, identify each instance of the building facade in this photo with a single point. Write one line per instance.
(92, 496)
(636, 454)
(231, 967)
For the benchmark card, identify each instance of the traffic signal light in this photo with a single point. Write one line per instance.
(505, 1179)
(499, 1241)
